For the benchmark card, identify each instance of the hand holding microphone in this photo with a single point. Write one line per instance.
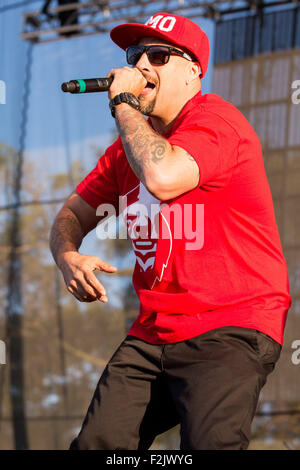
(123, 85)
(126, 79)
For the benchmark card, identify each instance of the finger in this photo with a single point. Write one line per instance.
(97, 287)
(103, 266)
(84, 292)
(78, 297)
(130, 69)
(111, 73)
(95, 283)
(88, 299)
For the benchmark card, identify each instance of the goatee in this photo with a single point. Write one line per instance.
(147, 109)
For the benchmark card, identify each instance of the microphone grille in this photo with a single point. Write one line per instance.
(68, 87)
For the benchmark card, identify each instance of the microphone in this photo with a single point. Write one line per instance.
(87, 85)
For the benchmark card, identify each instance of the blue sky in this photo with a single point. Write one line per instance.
(56, 119)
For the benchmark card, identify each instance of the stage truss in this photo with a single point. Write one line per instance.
(99, 16)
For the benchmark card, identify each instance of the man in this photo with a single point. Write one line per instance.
(210, 274)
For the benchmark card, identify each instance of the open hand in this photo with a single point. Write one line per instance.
(78, 272)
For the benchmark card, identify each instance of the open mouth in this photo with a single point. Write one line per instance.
(150, 85)
(148, 89)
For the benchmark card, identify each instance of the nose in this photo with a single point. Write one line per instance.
(143, 62)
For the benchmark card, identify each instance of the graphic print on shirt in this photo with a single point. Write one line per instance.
(141, 213)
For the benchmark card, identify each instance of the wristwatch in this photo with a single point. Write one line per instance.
(125, 97)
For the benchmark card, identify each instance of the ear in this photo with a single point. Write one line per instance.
(194, 72)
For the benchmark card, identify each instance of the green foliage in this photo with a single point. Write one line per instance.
(62, 180)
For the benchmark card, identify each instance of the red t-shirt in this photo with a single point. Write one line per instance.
(211, 257)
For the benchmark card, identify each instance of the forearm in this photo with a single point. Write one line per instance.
(66, 235)
(147, 152)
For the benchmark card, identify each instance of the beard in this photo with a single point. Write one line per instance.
(147, 108)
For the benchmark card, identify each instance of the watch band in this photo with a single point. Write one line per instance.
(124, 97)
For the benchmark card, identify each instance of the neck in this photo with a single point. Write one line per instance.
(162, 126)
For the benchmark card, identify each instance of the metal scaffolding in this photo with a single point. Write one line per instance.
(83, 18)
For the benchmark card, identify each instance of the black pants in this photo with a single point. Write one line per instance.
(210, 384)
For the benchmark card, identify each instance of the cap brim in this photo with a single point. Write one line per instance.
(128, 34)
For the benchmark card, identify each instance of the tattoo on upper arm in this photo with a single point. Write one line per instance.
(158, 150)
(142, 145)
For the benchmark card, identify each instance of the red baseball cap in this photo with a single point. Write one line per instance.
(172, 28)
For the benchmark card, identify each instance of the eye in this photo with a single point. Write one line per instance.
(158, 56)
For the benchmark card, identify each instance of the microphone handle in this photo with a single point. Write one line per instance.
(88, 85)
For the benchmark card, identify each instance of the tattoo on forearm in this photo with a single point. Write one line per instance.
(143, 146)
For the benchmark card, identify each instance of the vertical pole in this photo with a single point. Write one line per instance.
(14, 305)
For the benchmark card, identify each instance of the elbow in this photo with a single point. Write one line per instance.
(160, 188)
